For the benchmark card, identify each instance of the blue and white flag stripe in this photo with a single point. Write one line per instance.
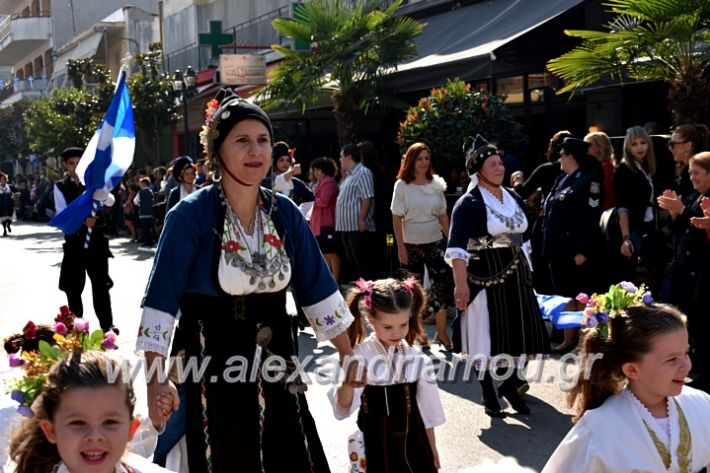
(552, 308)
(110, 152)
(107, 157)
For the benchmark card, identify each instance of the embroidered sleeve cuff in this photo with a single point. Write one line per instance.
(456, 253)
(329, 317)
(155, 332)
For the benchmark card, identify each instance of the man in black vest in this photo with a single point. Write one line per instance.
(78, 261)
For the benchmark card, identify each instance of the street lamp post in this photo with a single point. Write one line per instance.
(184, 86)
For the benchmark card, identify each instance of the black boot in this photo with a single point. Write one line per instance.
(4, 228)
(9, 229)
(490, 398)
(509, 390)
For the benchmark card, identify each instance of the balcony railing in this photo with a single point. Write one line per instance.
(6, 24)
(259, 30)
(8, 88)
(190, 55)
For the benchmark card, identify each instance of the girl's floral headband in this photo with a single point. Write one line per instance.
(602, 307)
(366, 288)
(35, 355)
(408, 284)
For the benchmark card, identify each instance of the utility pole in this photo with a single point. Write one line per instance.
(162, 43)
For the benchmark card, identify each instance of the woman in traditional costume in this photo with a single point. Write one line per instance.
(633, 411)
(227, 276)
(487, 249)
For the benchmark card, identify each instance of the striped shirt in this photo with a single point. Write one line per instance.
(357, 187)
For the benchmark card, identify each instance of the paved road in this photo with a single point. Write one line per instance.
(28, 290)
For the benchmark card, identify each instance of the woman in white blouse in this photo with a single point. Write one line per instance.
(421, 227)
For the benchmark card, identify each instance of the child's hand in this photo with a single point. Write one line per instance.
(437, 464)
(355, 375)
(163, 399)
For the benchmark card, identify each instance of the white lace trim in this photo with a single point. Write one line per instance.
(155, 332)
(329, 317)
(456, 253)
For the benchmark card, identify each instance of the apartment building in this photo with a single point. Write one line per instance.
(37, 37)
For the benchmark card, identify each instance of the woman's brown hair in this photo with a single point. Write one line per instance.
(406, 169)
(29, 448)
(553, 147)
(390, 296)
(696, 134)
(630, 338)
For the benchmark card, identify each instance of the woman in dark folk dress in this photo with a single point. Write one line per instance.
(228, 276)
(487, 249)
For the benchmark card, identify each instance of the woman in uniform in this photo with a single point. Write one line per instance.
(571, 235)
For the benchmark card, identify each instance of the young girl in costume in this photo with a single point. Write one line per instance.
(400, 404)
(633, 411)
(82, 421)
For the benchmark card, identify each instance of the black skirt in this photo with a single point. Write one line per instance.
(236, 420)
(395, 436)
(515, 321)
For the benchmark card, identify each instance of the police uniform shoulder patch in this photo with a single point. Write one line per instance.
(594, 188)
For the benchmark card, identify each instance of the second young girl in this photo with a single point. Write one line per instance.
(633, 411)
(400, 404)
(82, 421)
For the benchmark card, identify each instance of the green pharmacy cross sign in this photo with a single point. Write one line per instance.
(215, 38)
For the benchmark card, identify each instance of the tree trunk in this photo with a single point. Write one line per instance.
(346, 110)
(689, 96)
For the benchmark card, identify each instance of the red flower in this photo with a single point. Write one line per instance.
(64, 310)
(231, 245)
(30, 331)
(273, 240)
(213, 104)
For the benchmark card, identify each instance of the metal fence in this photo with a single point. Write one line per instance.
(256, 32)
(190, 55)
(259, 31)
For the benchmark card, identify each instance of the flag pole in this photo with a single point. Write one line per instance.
(96, 206)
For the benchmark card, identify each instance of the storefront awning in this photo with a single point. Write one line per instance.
(462, 42)
(86, 47)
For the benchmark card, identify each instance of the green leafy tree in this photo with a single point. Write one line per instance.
(451, 113)
(66, 118)
(13, 140)
(69, 117)
(154, 107)
(666, 40)
(351, 48)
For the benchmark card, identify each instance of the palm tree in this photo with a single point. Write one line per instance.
(666, 40)
(351, 48)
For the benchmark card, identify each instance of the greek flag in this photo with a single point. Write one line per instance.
(107, 157)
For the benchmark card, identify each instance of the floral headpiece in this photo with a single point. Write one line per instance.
(366, 288)
(602, 307)
(209, 132)
(32, 352)
(408, 284)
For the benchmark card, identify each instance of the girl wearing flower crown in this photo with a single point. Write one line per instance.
(400, 404)
(82, 420)
(633, 411)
